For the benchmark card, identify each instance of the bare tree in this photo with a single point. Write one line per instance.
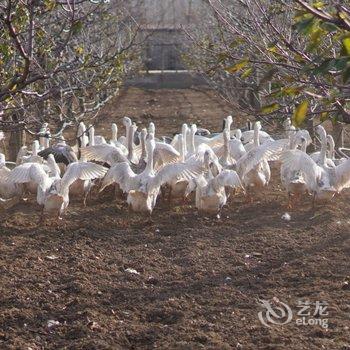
(62, 60)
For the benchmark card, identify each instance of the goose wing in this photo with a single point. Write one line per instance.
(342, 175)
(165, 154)
(62, 153)
(296, 160)
(219, 151)
(82, 171)
(170, 172)
(248, 136)
(229, 178)
(28, 172)
(236, 149)
(104, 153)
(121, 174)
(120, 146)
(266, 152)
(215, 141)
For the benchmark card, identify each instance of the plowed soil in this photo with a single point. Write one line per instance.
(105, 278)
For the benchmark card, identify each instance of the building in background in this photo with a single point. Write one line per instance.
(163, 26)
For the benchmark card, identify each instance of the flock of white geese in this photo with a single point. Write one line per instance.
(140, 165)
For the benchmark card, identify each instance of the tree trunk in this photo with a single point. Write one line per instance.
(338, 134)
(16, 141)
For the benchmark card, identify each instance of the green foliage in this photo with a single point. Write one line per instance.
(300, 113)
(293, 58)
(270, 108)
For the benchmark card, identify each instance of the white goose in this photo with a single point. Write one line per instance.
(236, 148)
(253, 168)
(164, 153)
(82, 136)
(33, 157)
(53, 191)
(249, 137)
(224, 152)
(36, 174)
(216, 140)
(321, 180)
(114, 140)
(204, 156)
(321, 156)
(210, 194)
(292, 179)
(175, 141)
(143, 189)
(10, 192)
(331, 151)
(95, 139)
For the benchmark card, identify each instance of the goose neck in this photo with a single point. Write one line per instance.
(130, 142)
(184, 141)
(323, 151)
(149, 165)
(331, 147)
(92, 136)
(256, 137)
(114, 132)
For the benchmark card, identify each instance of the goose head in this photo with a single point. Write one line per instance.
(299, 136)
(229, 121)
(184, 129)
(303, 144)
(331, 144)
(127, 122)
(143, 134)
(257, 126)
(321, 132)
(193, 129)
(151, 128)
(238, 134)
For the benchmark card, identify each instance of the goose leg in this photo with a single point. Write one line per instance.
(249, 198)
(314, 201)
(117, 192)
(42, 218)
(290, 201)
(169, 197)
(86, 194)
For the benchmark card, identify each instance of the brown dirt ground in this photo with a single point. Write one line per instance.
(200, 279)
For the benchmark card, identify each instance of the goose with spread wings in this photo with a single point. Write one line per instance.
(53, 191)
(10, 193)
(320, 180)
(253, 168)
(211, 194)
(143, 189)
